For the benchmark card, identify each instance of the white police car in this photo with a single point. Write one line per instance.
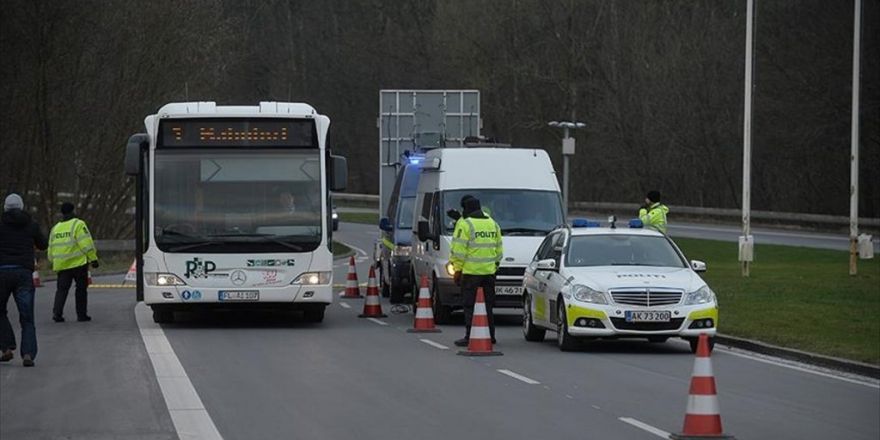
(588, 282)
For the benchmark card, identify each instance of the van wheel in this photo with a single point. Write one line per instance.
(442, 314)
(395, 293)
(162, 315)
(530, 332)
(314, 314)
(565, 341)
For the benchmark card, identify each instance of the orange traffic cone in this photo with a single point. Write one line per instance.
(36, 276)
(424, 321)
(372, 307)
(702, 420)
(480, 340)
(131, 275)
(351, 281)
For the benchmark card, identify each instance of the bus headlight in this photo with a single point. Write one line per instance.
(586, 294)
(702, 295)
(312, 278)
(162, 279)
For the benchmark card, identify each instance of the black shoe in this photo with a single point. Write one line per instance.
(463, 342)
(7, 356)
(84, 318)
(27, 361)
(58, 318)
(494, 341)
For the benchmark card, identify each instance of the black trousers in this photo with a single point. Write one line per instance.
(469, 286)
(65, 279)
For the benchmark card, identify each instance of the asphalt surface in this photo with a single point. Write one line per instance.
(269, 376)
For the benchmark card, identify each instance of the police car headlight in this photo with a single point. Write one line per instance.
(312, 278)
(162, 279)
(703, 295)
(401, 251)
(334, 215)
(586, 294)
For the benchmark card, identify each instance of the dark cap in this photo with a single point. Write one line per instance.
(67, 208)
(654, 196)
(471, 205)
(464, 200)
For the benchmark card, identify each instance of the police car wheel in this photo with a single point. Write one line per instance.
(565, 341)
(530, 331)
(162, 315)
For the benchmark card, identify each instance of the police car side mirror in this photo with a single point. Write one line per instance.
(385, 224)
(698, 266)
(423, 231)
(548, 264)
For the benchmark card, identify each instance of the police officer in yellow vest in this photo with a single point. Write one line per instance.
(476, 252)
(71, 250)
(653, 213)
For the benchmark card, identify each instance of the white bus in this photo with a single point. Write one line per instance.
(232, 208)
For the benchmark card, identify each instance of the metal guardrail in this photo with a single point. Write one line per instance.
(689, 210)
(114, 245)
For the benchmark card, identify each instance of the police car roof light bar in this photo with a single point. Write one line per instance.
(636, 223)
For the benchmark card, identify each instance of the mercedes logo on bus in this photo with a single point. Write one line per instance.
(238, 277)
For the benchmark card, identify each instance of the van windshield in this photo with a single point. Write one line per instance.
(517, 211)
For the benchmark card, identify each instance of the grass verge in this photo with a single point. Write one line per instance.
(370, 218)
(795, 297)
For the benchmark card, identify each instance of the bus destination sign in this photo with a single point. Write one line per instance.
(237, 133)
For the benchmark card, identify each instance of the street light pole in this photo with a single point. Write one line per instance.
(567, 151)
(854, 154)
(746, 243)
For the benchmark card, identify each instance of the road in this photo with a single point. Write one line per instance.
(264, 376)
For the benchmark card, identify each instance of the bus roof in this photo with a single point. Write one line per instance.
(210, 108)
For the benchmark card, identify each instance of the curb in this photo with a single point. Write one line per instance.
(834, 363)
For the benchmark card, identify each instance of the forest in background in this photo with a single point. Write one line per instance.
(658, 83)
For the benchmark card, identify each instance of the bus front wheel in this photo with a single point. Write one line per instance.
(162, 315)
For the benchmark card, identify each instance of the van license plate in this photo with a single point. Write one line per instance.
(239, 295)
(645, 316)
(508, 290)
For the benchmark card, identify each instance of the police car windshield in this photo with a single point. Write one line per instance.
(622, 250)
(235, 201)
(518, 212)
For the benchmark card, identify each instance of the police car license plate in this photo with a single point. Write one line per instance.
(508, 290)
(239, 295)
(646, 316)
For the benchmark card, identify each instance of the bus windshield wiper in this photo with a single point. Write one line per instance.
(523, 231)
(268, 237)
(188, 245)
(184, 241)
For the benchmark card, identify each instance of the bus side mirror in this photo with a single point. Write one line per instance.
(423, 230)
(338, 173)
(136, 144)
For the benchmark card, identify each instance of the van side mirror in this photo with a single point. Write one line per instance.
(548, 264)
(423, 230)
(137, 143)
(385, 224)
(338, 173)
(698, 266)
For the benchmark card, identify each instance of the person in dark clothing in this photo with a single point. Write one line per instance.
(19, 235)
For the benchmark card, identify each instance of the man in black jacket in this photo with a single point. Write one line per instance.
(19, 235)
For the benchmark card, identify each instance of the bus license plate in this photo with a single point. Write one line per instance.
(508, 290)
(239, 295)
(645, 316)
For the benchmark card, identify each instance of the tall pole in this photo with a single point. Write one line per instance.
(565, 181)
(746, 254)
(854, 157)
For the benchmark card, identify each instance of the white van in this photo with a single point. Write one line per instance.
(517, 187)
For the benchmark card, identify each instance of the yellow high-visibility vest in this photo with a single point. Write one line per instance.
(71, 245)
(654, 217)
(476, 246)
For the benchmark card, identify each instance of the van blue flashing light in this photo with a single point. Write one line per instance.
(636, 223)
(415, 160)
(584, 223)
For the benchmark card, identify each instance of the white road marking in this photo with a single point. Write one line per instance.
(644, 426)
(434, 344)
(520, 377)
(191, 419)
(595, 406)
(344, 305)
(377, 321)
(359, 250)
(802, 367)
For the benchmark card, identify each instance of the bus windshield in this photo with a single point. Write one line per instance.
(231, 201)
(517, 211)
